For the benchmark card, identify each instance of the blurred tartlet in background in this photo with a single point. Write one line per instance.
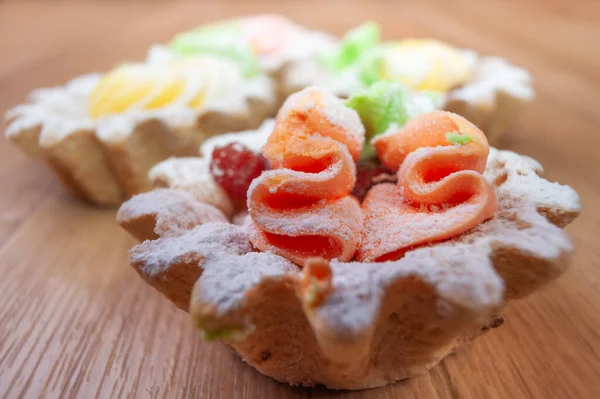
(102, 133)
(489, 91)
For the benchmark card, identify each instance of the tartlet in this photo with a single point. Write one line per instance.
(102, 133)
(487, 90)
(245, 67)
(313, 287)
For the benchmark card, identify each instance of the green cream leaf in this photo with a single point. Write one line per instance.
(222, 40)
(352, 46)
(382, 105)
(458, 139)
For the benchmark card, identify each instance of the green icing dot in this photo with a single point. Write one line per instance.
(311, 295)
(222, 40)
(352, 46)
(225, 333)
(458, 139)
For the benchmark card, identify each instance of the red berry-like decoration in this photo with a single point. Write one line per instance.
(369, 173)
(234, 166)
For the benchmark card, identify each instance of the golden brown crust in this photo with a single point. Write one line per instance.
(81, 163)
(28, 141)
(132, 157)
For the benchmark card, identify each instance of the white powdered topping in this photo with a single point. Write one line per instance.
(54, 130)
(492, 75)
(470, 57)
(242, 219)
(322, 219)
(523, 181)
(260, 87)
(193, 176)
(159, 53)
(252, 139)
(226, 279)
(175, 211)
(400, 66)
(60, 111)
(202, 243)
(310, 72)
(355, 299)
(359, 287)
(519, 225)
(418, 103)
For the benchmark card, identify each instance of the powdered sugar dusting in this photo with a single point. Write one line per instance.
(175, 211)
(460, 275)
(390, 227)
(226, 279)
(492, 75)
(201, 243)
(518, 176)
(193, 176)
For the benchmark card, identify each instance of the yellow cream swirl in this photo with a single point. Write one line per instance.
(192, 82)
(425, 64)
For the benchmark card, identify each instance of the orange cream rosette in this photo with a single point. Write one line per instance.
(441, 192)
(302, 208)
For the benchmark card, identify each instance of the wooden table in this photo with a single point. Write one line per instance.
(76, 321)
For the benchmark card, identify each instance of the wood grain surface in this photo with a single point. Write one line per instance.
(76, 321)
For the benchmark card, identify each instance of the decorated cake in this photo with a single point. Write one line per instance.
(347, 244)
(101, 133)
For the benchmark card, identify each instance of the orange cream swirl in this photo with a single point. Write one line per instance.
(302, 208)
(441, 192)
